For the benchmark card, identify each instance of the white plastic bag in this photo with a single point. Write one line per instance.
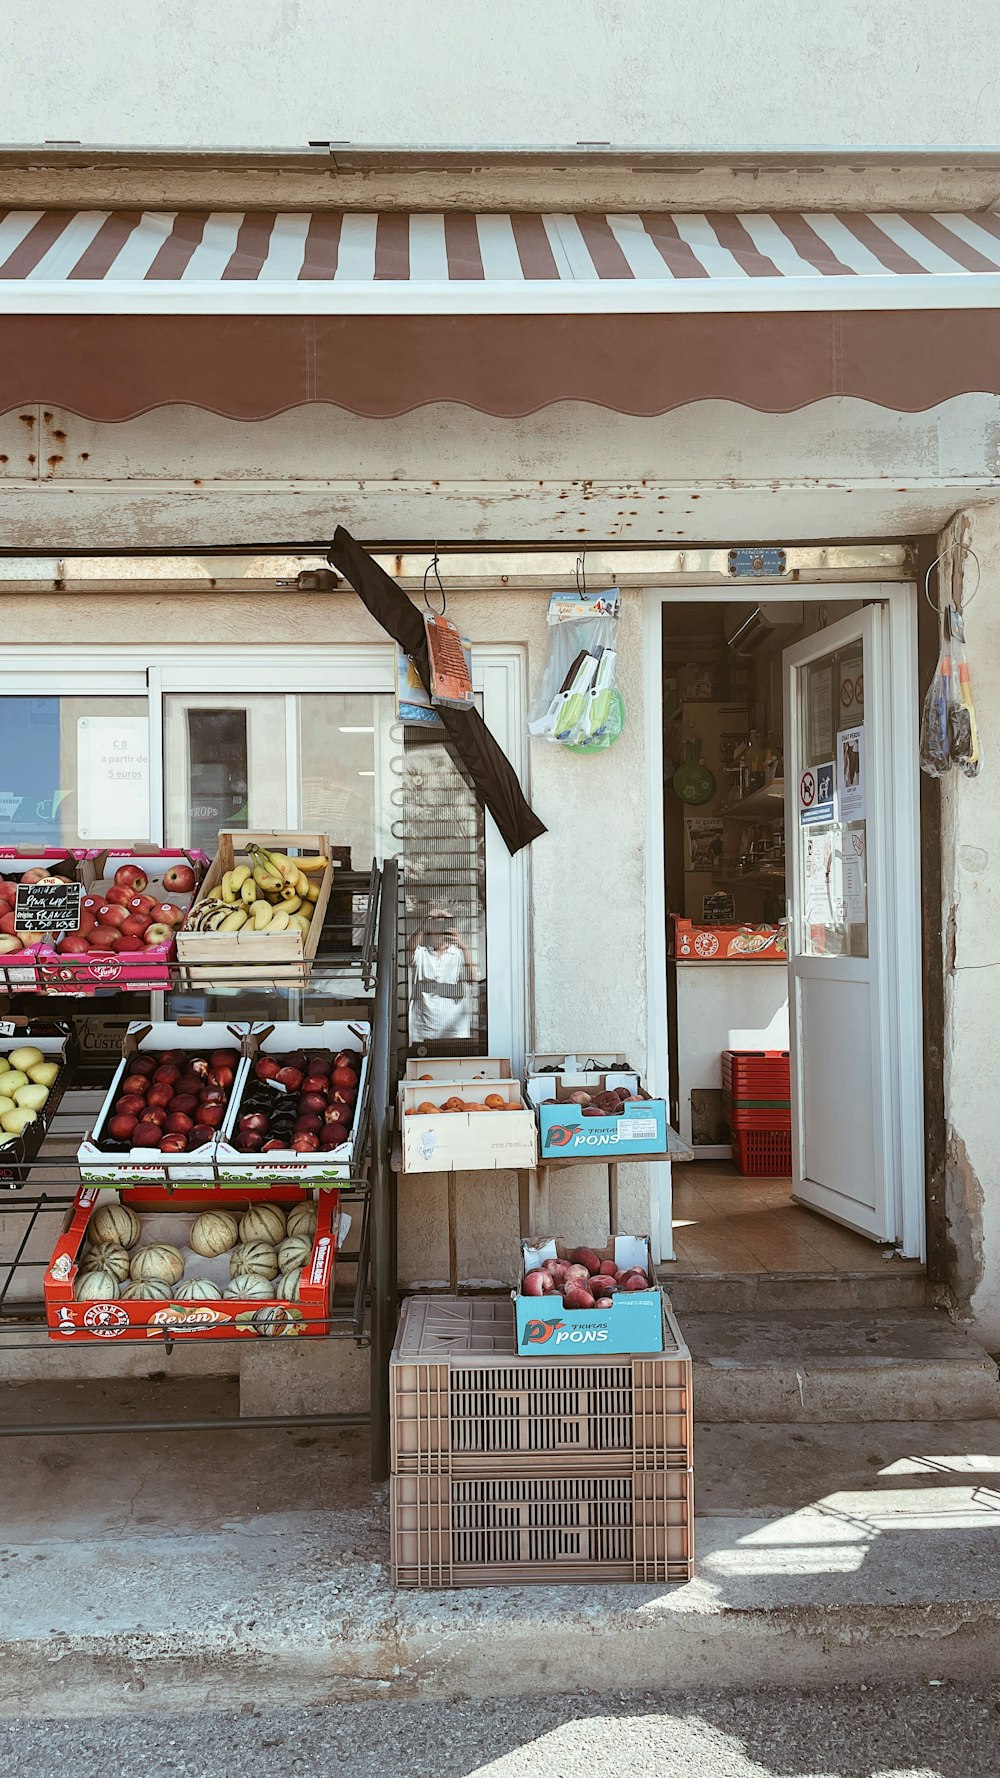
(578, 703)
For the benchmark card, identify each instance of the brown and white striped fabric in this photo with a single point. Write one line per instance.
(126, 249)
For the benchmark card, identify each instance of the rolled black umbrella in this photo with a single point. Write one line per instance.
(486, 765)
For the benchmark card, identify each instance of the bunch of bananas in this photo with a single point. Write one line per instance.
(273, 893)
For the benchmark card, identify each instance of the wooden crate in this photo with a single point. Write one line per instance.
(268, 956)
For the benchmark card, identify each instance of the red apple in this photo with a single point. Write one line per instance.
(178, 1122)
(335, 1134)
(309, 1121)
(223, 1077)
(166, 912)
(146, 1135)
(289, 1078)
(73, 944)
(272, 1145)
(296, 1059)
(37, 874)
(134, 929)
(344, 1077)
(105, 938)
(343, 1096)
(7, 923)
(186, 1102)
(167, 1073)
(578, 1299)
(121, 1126)
(157, 934)
(154, 1114)
(305, 1142)
(144, 1064)
(537, 1283)
(321, 1065)
(160, 1093)
(212, 1096)
(247, 1140)
(173, 1143)
(117, 897)
(223, 1058)
(130, 877)
(179, 879)
(312, 1102)
(141, 904)
(316, 1083)
(130, 1106)
(200, 1135)
(178, 1058)
(212, 1115)
(254, 1120)
(108, 915)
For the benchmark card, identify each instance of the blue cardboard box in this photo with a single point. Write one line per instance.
(638, 1128)
(634, 1322)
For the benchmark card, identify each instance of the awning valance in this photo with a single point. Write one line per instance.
(111, 313)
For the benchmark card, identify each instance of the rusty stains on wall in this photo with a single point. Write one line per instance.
(964, 1213)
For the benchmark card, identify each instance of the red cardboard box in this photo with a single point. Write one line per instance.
(228, 1318)
(140, 971)
(729, 944)
(18, 971)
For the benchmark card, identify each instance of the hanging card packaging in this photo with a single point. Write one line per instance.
(451, 678)
(578, 703)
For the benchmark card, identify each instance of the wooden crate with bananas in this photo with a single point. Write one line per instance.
(262, 904)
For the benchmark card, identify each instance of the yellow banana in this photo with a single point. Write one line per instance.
(301, 921)
(282, 866)
(290, 866)
(261, 915)
(240, 875)
(266, 879)
(312, 866)
(234, 921)
(290, 901)
(312, 893)
(214, 921)
(248, 891)
(302, 884)
(226, 891)
(279, 921)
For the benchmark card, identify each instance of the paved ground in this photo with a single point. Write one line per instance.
(922, 1731)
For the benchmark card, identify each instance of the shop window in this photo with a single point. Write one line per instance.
(74, 771)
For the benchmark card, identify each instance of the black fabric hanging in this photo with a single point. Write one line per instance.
(490, 771)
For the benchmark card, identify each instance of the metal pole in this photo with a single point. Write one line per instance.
(382, 1283)
(220, 1423)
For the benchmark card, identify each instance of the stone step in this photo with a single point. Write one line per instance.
(841, 1366)
(718, 1293)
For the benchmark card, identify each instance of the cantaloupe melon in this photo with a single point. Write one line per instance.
(113, 1222)
(196, 1290)
(249, 1284)
(213, 1232)
(158, 1260)
(258, 1257)
(96, 1287)
(146, 1290)
(263, 1222)
(107, 1257)
(295, 1251)
(302, 1219)
(288, 1285)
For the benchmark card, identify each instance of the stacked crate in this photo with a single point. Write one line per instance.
(508, 1470)
(757, 1106)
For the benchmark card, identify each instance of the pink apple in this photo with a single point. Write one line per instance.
(168, 913)
(179, 879)
(130, 877)
(157, 934)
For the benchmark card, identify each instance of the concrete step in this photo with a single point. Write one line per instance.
(841, 1366)
(899, 1285)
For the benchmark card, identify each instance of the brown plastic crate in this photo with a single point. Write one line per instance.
(463, 1403)
(544, 1528)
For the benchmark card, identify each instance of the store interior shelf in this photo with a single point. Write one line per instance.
(765, 804)
(753, 879)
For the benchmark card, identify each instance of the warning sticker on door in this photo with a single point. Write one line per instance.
(816, 795)
(851, 773)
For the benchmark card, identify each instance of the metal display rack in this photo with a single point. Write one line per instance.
(353, 972)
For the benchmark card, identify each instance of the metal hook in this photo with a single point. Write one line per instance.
(581, 573)
(967, 551)
(432, 568)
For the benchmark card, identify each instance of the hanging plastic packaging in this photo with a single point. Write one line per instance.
(949, 732)
(578, 703)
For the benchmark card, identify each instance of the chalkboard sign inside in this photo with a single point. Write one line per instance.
(47, 907)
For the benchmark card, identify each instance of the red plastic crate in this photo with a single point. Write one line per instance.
(763, 1154)
(756, 1089)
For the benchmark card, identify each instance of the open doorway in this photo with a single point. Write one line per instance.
(784, 817)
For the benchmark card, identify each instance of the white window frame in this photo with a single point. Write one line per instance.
(499, 675)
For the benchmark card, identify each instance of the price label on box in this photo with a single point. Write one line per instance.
(47, 907)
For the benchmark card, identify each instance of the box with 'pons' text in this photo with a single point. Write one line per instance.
(633, 1323)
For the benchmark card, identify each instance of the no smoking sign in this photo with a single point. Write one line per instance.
(816, 795)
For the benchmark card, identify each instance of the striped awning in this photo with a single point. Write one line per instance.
(111, 313)
(265, 262)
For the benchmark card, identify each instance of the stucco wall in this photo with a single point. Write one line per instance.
(586, 881)
(971, 922)
(633, 72)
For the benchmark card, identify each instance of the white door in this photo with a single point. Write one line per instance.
(843, 958)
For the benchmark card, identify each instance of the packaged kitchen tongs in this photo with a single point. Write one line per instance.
(579, 704)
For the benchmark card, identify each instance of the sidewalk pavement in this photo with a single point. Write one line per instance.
(196, 1570)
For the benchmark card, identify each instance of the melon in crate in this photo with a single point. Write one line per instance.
(213, 1232)
(263, 1222)
(96, 1287)
(197, 1290)
(288, 1285)
(108, 1257)
(113, 1222)
(158, 1261)
(146, 1290)
(294, 1251)
(302, 1220)
(249, 1284)
(256, 1257)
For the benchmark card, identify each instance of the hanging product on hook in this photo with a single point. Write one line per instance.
(949, 732)
(447, 652)
(578, 703)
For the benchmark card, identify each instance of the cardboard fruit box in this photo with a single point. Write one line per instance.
(147, 1165)
(18, 970)
(693, 943)
(142, 970)
(283, 1166)
(455, 1141)
(282, 956)
(57, 1045)
(228, 1318)
(634, 1322)
(638, 1127)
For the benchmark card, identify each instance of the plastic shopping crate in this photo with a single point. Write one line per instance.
(464, 1404)
(756, 1091)
(545, 1527)
(763, 1154)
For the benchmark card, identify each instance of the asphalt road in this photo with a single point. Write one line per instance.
(913, 1731)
